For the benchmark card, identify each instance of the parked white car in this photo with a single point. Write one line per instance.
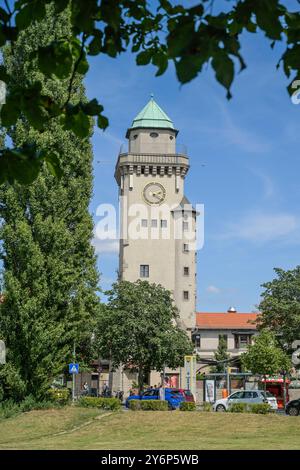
(248, 397)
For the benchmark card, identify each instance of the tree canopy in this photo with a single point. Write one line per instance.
(50, 277)
(264, 356)
(159, 33)
(137, 328)
(280, 305)
(221, 355)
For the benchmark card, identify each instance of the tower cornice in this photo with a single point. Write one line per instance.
(179, 162)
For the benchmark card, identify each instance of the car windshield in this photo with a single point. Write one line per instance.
(268, 394)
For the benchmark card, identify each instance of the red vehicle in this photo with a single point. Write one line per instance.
(188, 396)
(276, 387)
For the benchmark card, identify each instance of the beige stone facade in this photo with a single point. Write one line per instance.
(157, 222)
(158, 236)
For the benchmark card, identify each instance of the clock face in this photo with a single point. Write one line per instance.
(154, 193)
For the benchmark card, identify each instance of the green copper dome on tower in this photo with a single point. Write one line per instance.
(153, 117)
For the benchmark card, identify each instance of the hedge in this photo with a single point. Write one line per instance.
(238, 408)
(148, 405)
(260, 408)
(187, 406)
(111, 404)
(134, 405)
(59, 395)
(154, 405)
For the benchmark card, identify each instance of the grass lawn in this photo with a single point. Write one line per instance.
(147, 430)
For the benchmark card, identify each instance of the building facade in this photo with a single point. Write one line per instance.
(158, 224)
(237, 329)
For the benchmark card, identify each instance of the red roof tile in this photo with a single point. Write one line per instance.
(227, 320)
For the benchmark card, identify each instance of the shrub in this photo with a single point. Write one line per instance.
(238, 408)
(187, 406)
(31, 403)
(12, 385)
(260, 408)
(154, 405)
(59, 395)
(8, 409)
(134, 405)
(206, 406)
(111, 404)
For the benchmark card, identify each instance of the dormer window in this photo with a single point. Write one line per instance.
(154, 135)
(135, 136)
(171, 137)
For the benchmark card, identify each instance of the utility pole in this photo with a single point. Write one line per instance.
(228, 379)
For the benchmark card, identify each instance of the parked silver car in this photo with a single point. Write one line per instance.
(248, 397)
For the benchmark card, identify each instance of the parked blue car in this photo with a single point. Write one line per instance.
(173, 396)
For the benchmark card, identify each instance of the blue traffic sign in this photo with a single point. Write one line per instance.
(73, 368)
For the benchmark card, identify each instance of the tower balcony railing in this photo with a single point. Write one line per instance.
(155, 149)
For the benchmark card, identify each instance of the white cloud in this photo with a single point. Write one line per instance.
(262, 227)
(213, 289)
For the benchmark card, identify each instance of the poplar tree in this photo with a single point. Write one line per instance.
(50, 277)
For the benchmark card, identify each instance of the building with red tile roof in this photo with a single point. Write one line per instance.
(237, 328)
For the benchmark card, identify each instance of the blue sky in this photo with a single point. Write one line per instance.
(250, 182)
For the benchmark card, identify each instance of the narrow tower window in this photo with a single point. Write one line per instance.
(185, 295)
(186, 271)
(154, 135)
(144, 223)
(144, 270)
(163, 223)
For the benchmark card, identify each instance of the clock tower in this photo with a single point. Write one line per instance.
(157, 222)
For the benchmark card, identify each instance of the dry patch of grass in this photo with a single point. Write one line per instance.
(150, 430)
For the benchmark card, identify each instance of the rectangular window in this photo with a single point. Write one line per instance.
(185, 226)
(144, 223)
(241, 341)
(163, 223)
(186, 295)
(154, 223)
(186, 248)
(186, 271)
(144, 270)
(224, 338)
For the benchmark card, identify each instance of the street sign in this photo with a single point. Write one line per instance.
(190, 368)
(73, 368)
(2, 352)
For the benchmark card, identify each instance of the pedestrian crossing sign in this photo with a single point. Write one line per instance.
(73, 368)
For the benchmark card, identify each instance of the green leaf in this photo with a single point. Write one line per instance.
(78, 122)
(92, 108)
(56, 58)
(144, 57)
(224, 69)
(160, 59)
(102, 122)
(53, 164)
(188, 67)
(10, 111)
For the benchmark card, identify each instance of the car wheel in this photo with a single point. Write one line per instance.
(293, 411)
(220, 408)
